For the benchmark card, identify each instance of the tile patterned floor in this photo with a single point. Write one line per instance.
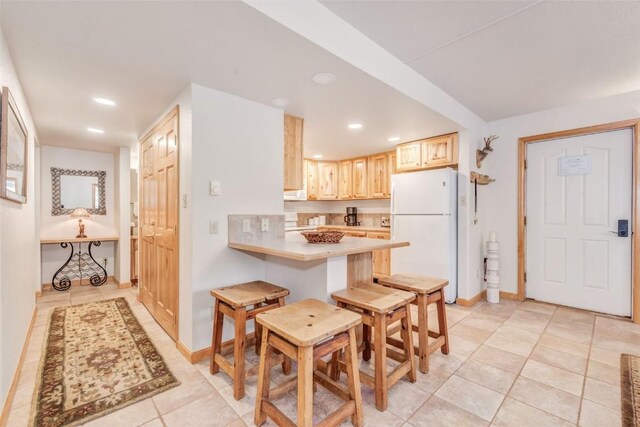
(512, 364)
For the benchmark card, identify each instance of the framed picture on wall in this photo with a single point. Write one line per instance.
(14, 149)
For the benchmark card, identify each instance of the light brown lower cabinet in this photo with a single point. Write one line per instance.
(381, 258)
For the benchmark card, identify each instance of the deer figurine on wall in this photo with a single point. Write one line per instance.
(481, 154)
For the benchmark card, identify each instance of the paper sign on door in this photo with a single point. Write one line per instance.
(574, 165)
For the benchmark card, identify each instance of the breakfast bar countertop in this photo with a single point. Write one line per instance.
(294, 246)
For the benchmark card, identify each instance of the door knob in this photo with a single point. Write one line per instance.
(623, 228)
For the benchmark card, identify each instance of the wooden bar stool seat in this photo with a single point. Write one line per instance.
(307, 331)
(235, 302)
(428, 290)
(380, 307)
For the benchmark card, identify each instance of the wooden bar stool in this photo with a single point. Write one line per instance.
(380, 307)
(428, 290)
(233, 301)
(306, 331)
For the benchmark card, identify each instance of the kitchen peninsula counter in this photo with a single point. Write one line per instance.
(308, 270)
(294, 246)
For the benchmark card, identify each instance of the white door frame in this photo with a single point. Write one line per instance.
(634, 125)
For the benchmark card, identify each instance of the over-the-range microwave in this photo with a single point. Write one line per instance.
(296, 195)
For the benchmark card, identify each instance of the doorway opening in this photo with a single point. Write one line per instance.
(569, 242)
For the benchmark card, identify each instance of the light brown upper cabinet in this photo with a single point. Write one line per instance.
(312, 179)
(345, 187)
(436, 152)
(293, 153)
(440, 151)
(379, 176)
(328, 180)
(392, 156)
(360, 180)
(409, 156)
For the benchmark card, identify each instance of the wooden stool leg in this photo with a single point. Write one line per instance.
(286, 362)
(353, 379)
(305, 386)
(258, 331)
(366, 338)
(442, 322)
(380, 344)
(216, 337)
(238, 352)
(264, 378)
(423, 334)
(407, 339)
(334, 365)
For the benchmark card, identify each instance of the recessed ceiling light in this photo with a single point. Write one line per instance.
(95, 130)
(394, 139)
(280, 102)
(317, 156)
(324, 78)
(104, 101)
(355, 125)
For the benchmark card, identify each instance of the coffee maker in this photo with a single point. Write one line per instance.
(351, 218)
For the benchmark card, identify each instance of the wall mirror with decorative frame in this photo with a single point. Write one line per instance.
(14, 148)
(71, 189)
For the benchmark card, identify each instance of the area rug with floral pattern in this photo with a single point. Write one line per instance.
(630, 388)
(96, 359)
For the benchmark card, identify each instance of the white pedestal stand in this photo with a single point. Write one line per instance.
(493, 267)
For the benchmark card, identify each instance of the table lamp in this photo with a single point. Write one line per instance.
(80, 213)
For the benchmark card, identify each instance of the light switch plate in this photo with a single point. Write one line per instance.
(213, 226)
(214, 188)
(264, 224)
(246, 226)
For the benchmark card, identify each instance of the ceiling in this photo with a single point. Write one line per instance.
(507, 58)
(143, 54)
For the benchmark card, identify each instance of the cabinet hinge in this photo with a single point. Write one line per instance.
(525, 163)
(525, 276)
(525, 220)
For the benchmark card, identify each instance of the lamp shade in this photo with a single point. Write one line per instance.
(80, 213)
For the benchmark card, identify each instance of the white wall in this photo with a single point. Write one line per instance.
(239, 143)
(499, 204)
(62, 225)
(18, 245)
(122, 188)
(67, 158)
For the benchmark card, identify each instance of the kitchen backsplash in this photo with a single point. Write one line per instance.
(366, 219)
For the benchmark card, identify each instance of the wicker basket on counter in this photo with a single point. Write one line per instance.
(321, 237)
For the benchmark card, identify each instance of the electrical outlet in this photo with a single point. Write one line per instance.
(246, 226)
(213, 226)
(104, 262)
(264, 224)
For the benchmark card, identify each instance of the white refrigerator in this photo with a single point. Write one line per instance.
(424, 212)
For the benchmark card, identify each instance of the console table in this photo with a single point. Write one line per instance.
(79, 264)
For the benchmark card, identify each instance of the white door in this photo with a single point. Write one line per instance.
(573, 204)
